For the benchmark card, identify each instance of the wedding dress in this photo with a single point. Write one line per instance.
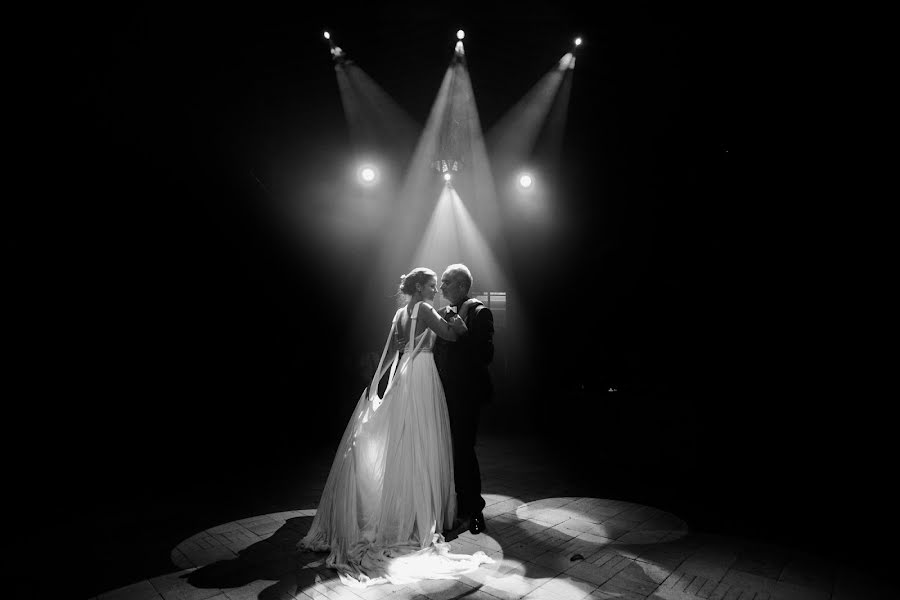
(390, 491)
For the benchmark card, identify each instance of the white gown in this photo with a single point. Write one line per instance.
(390, 490)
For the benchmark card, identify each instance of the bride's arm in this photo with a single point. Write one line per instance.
(441, 327)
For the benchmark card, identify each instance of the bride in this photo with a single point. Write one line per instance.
(390, 491)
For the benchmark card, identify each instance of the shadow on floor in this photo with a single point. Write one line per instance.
(273, 559)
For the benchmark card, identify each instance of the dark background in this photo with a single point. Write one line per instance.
(165, 339)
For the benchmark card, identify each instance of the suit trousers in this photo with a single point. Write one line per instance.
(464, 414)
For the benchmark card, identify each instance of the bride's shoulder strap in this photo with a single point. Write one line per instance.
(425, 307)
(415, 311)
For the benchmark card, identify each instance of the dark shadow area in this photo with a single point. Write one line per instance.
(275, 558)
(128, 517)
(736, 477)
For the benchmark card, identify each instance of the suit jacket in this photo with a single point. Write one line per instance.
(463, 364)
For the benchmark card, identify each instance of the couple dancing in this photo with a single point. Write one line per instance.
(405, 479)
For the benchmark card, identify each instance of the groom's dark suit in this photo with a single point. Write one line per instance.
(463, 367)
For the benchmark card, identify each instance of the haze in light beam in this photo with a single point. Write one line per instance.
(476, 184)
(408, 218)
(375, 120)
(451, 237)
(425, 233)
(420, 187)
(551, 141)
(512, 139)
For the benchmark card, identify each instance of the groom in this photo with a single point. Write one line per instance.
(463, 367)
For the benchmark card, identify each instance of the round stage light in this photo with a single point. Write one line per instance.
(367, 175)
(447, 177)
(525, 181)
(327, 35)
(460, 34)
(578, 41)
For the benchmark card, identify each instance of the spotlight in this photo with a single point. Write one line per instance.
(447, 176)
(367, 175)
(460, 34)
(327, 35)
(578, 41)
(525, 181)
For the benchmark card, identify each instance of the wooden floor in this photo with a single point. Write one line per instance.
(546, 545)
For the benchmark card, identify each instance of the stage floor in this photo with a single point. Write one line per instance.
(547, 543)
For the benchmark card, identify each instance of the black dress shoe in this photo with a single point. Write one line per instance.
(477, 525)
(459, 525)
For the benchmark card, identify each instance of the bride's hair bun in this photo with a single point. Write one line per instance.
(418, 275)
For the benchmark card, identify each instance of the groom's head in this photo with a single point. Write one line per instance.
(456, 283)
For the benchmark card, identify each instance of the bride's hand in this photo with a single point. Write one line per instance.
(457, 324)
(464, 309)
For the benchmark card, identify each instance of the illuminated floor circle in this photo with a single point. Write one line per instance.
(551, 548)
